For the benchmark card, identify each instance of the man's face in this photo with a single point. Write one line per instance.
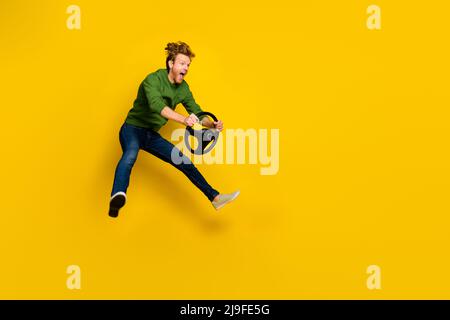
(179, 67)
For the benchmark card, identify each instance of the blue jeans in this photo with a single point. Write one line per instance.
(132, 139)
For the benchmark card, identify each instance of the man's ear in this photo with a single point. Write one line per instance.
(170, 64)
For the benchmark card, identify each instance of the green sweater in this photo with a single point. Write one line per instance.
(156, 92)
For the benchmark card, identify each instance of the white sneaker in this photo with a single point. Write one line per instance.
(224, 199)
(117, 201)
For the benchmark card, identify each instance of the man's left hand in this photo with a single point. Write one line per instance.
(218, 125)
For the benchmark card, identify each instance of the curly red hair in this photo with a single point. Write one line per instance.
(175, 48)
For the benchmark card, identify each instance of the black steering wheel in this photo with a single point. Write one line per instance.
(206, 137)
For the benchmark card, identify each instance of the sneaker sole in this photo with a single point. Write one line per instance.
(115, 205)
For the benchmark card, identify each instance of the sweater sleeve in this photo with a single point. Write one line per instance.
(153, 92)
(189, 103)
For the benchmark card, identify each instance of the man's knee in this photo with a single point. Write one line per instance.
(129, 158)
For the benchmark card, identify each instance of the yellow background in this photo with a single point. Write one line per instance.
(364, 160)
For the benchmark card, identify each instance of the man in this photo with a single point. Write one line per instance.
(157, 98)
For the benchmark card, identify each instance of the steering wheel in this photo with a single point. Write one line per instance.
(206, 137)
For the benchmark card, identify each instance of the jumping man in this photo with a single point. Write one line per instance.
(157, 98)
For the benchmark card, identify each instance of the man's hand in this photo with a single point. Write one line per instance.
(218, 125)
(207, 122)
(191, 120)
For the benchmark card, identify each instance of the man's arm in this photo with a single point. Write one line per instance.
(192, 107)
(170, 114)
(157, 104)
(207, 122)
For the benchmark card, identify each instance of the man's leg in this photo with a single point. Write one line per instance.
(161, 148)
(129, 137)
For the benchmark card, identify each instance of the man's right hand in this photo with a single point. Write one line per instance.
(191, 120)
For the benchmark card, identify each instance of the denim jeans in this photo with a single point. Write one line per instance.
(132, 139)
